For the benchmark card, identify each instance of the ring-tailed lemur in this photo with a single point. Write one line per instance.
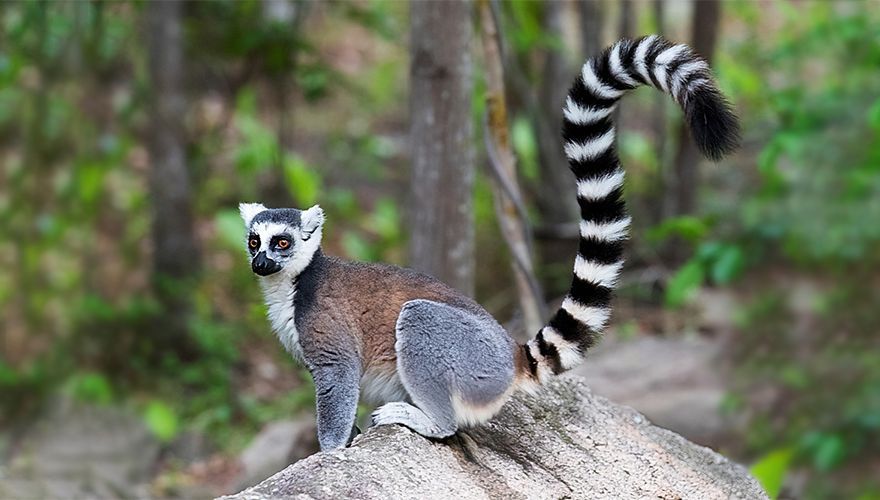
(432, 357)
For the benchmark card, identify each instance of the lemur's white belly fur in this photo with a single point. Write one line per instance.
(279, 293)
(381, 385)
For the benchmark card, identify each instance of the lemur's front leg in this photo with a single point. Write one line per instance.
(337, 388)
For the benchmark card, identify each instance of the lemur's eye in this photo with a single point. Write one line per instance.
(283, 243)
(254, 243)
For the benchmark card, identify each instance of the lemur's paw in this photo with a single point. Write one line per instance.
(393, 413)
(409, 416)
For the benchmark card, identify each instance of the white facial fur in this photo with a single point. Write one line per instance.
(278, 288)
(310, 233)
(306, 237)
(249, 210)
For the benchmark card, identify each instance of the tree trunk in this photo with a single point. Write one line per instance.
(685, 176)
(441, 186)
(627, 19)
(592, 13)
(555, 188)
(175, 254)
(661, 101)
(706, 18)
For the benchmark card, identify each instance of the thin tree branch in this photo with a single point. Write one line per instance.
(508, 202)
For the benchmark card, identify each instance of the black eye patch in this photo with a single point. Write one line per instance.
(274, 242)
(253, 242)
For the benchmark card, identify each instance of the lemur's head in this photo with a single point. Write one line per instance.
(281, 239)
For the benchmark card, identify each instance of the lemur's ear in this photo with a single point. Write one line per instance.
(249, 210)
(312, 220)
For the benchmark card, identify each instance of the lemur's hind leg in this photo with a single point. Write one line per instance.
(456, 365)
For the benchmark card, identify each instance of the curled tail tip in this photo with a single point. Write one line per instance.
(713, 124)
(675, 69)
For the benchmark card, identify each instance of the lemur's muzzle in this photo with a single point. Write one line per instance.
(264, 266)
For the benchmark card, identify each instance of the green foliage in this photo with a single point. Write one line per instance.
(684, 283)
(812, 94)
(90, 388)
(715, 262)
(689, 228)
(525, 145)
(301, 179)
(229, 227)
(525, 30)
(771, 470)
(161, 420)
(383, 228)
(826, 57)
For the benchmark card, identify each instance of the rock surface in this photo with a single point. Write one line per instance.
(83, 452)
(277, 445)
(563, 443)
(676, 382)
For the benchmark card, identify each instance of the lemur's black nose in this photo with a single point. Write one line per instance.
(264, 266)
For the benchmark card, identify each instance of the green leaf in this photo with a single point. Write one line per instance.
(728, 265)
(230, 228)
(684, 283)
(874, 115)
(709, 251)
(161, 420)
(829, 452)
(385, 219)
(771, 470)
(636, 147)
(356, 247)
(688, 227)
(795, 376)
(91, 388)
(526, 147)
(302, 181)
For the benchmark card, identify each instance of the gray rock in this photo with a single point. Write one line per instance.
(189, 447)
(676, 382)
(276, 446)
(562, 443)
(82, 451)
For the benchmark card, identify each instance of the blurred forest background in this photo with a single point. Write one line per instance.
(129, 132)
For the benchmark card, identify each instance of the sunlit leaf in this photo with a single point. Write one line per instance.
(728, 265)
(230, 228)
(303, 182)
(526, 147)
(688, 227)
(385, 219)
(161, 420)
(356, 247)
(874, 115)
(829, 452)
(771, 469)
(684, 283)
(91, 388)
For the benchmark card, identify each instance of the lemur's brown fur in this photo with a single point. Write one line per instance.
(363, 301)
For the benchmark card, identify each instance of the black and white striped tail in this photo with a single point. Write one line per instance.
(589, 137)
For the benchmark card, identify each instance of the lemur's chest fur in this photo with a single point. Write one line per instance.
(280, 293)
